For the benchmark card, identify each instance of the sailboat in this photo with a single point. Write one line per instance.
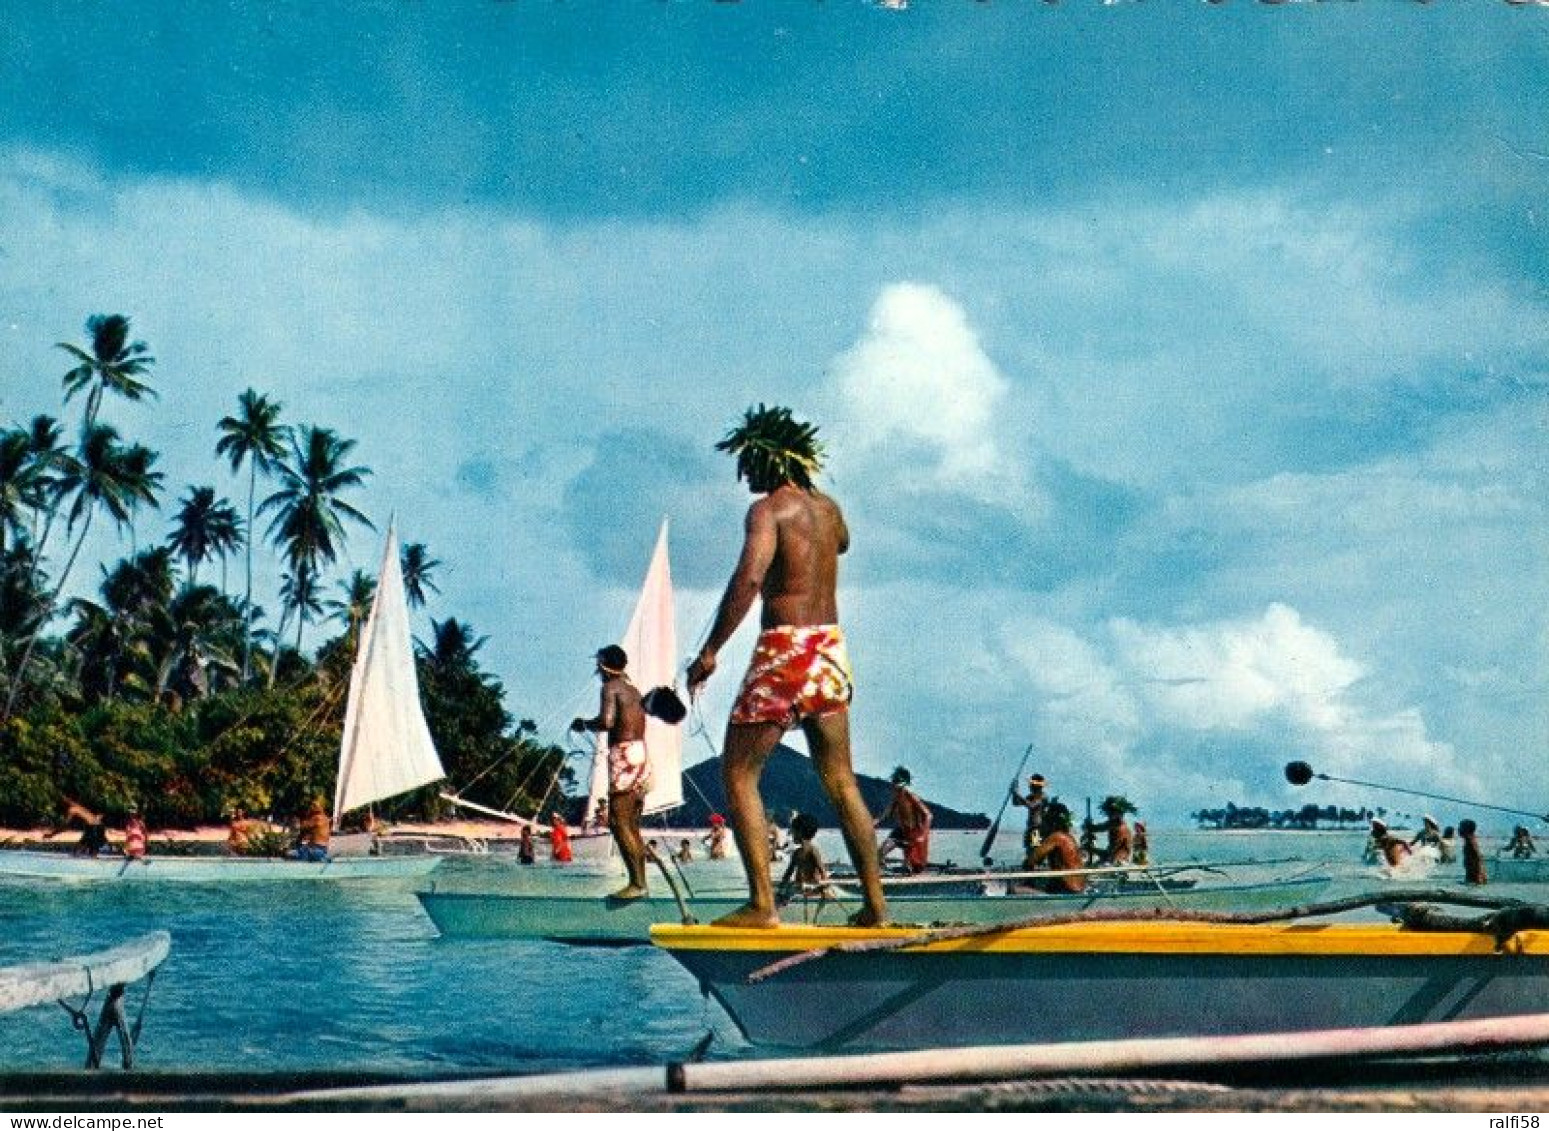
(385, 750)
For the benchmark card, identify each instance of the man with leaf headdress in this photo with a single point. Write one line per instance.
(800, 673)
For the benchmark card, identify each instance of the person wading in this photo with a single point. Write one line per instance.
(629, 769)
(800, 672)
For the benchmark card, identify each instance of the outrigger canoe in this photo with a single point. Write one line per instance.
(1103, 981)
(589, 919)
(23, 864)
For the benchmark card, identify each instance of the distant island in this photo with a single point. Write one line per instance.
(1309, 816)
(790, 785)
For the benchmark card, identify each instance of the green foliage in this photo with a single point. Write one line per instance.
(772, 448)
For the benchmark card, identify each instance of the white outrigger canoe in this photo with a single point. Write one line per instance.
(1104, 981)
(587, 918)
(23, 864)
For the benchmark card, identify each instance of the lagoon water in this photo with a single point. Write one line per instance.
(311, 976)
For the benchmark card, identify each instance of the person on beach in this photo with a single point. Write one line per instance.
(136, 836)
(313, 835)
(800, 673)
(1036, 803)
(911, 824)
(806, 874)
(1059, 851)
(1121, 845)
(715, 839)
(559, 839)
(1392, 850)
(1473, 858)
(622, 718)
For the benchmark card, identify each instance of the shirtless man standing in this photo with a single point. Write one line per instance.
(800, 673)
(629, 769)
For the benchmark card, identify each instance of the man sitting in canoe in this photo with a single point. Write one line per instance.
(800, 672)
(620, 714)
(313, 835)
(94, 830)
(1059, 851)
(1120, 842)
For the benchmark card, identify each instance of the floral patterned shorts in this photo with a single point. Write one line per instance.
(629, 770)
(797, 672)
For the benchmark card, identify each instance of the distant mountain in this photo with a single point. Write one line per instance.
(790, 785)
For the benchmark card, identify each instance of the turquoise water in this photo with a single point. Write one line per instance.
(297, 976)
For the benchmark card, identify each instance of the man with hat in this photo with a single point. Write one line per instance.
(1036, 803)
(629, 769)
(715, 839)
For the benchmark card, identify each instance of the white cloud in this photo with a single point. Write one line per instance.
(919, 373)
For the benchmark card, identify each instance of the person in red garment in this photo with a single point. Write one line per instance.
(559, 839)
(911, 824)
(135, 835)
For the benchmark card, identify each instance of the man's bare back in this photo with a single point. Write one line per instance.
(802, 576)
(621, 712)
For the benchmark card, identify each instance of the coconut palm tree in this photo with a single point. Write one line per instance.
(418, 570)
(298, 593)
(353, 605)
(105, 475)
(113, 363)
(21, 486)
(195, 639)
(255, 436)
(452, 646)
(205, 527)
(309, 512)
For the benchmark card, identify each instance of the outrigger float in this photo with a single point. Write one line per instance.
(109, 971)
(1121, 976)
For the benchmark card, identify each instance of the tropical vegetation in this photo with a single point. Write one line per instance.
(152, 683)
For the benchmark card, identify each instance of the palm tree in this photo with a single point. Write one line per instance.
(354, 603)
(298, 593)
(254, 435)
(451, 648)
(113, 362)
(418, 568)
(309, 514)
(205, 527)
(21, 485)
(105, 475)
(194, 638)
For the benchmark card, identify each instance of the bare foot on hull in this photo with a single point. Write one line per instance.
(868, 918)
(749, 916)
(625, 894)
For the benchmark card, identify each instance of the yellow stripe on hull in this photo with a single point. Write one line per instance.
(1330, 939)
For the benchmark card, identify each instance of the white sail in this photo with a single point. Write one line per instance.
(651, 643)
(387, 748)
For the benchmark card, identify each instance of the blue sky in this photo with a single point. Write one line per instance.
(1183, 366)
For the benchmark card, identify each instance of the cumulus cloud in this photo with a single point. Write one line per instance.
(920, 375)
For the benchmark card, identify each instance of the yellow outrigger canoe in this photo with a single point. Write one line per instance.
(851, 988)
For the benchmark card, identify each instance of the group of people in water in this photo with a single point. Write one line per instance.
(1387, 847)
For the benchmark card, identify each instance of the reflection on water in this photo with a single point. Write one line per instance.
(292, 976)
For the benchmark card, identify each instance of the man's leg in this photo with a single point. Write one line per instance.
(742, 764)
(624, 822)
(828, 738)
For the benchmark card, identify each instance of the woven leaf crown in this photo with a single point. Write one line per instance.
(773, 447)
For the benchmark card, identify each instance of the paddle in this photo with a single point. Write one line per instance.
(989, 838)
(1300, 773)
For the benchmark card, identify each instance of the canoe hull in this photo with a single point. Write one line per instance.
(587, 918)
(208, 869)
(1028, 992)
